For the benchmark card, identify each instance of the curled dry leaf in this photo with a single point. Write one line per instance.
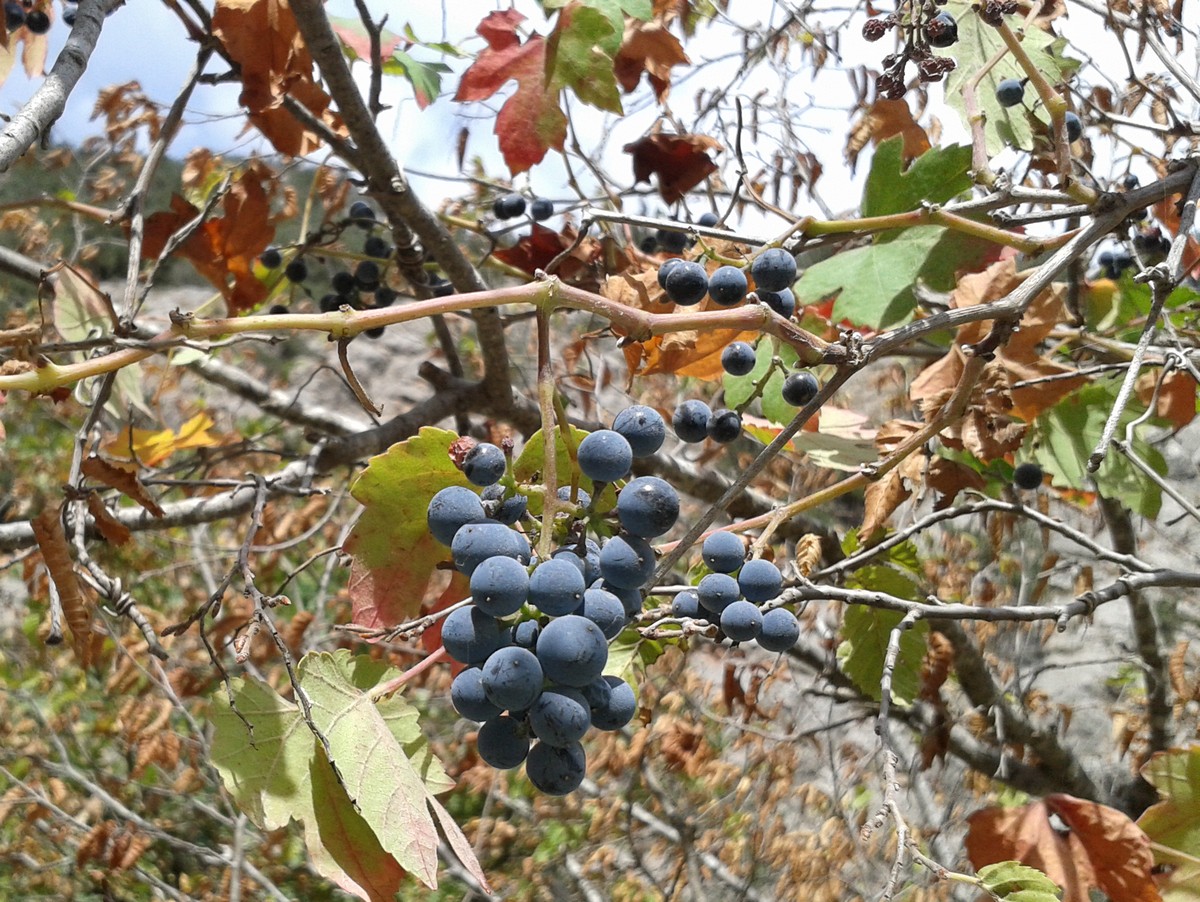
(882, 120)
(110, 527)
(56, 554)
(648, 47)
(680, 162)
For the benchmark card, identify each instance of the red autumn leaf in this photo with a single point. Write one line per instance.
(1101, 847)
(681, 162)
(535, 251)
(530, 121)
(648, 47)
(262, 37)
(223, 248)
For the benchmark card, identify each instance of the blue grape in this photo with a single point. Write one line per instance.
(604, 456)
(1074, 127)
(666, 269)
(1028, 476)
(741, 621)
(504, 510)
(708, 219)
(631, 599)
(508, 206)
(687, 284)
(597, 692)
(588, 563)
(724, 426)
(556, 770)
(476, 542)
(717, 591)
(782, 302)
(583, 499)
(760, 580)
(512, 678)
(774, 269)
(572, 650)
(366, 275)
(605, 610)
(643, 428)
(690, 421)
(627, 561)
(671, 240)
(525, 634)
(271, 258)
(362, 213)
(723, 552)
(541, 209)
(727, 286)
(799, 388)
(780, 630)
(503, 742)
(450, 510)
(499, 586)
(556, 586)
(1010, 92)
(648, 507)
(942, 30)
(484, 464)
(561, 716)
(686, 604)
(619, 709)
(468, 697)
(738, 358)
(470, 636)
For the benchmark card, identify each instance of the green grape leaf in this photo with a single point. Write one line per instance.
(579, 56)
(1064, 437)
(739, 388)
(527, 468)
(977, 43)
(865, 634)
(367, 831)
(934, 177)
(394, 554)
(1173, 823)
(425, 78)
(1015, 882)
(614, 9)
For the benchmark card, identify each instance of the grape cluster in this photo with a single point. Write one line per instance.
(534, 636)
(510, 206)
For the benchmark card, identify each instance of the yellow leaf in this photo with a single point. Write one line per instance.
(153, 447)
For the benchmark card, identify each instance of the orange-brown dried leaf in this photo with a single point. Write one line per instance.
(536, 250)
(112, 529)
(680, 162)
(1102, 849)
(56, 554)
(689, 353)
(123, 478)
(648, 47)
(1176, 396)
(883, 496)
(882, 120)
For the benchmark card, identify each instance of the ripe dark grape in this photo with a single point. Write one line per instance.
(604, 456)
(385, 297)
(760, 580)
(503, 742)
(724, 426)
(560, 716)
(1130, 182)
(727, 286)
(556, 771)
(799, 388)
(525, 634)
(278, 309)
(627, 561)
(741, 621)
(69, 14)
(648, 507)
(723, 552)
(782, 302)
(14, 15)
(1028, 476)
(1010, 92)
(508, 206)
(631, 599)
(476, 542)
(504, 510)
(572, 650)
(588, 563)
(329, 303)
(942, 30)
(671, 240)
(717, 591)
(440, 288)
(499, 586)
(666, 269)
(738, 358)
(484, 464)
(451, 509)
(605, 610)
(597, 692)
(709, 219)
(366, 275)
(37, 21)
(512, 678)
(687, 284)
(582, 498)
(342, 281)
(1074, 127)
(271, 258)
(686, 604)
(468, 697)
(642, 427)
(619, 709)
(556, 587)
(471, 636)
(648, 245)
(541, 209)
(297, 271)
(376, 246)
(780, 630)
(362, 214)
(773, 270)
(690, 421)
